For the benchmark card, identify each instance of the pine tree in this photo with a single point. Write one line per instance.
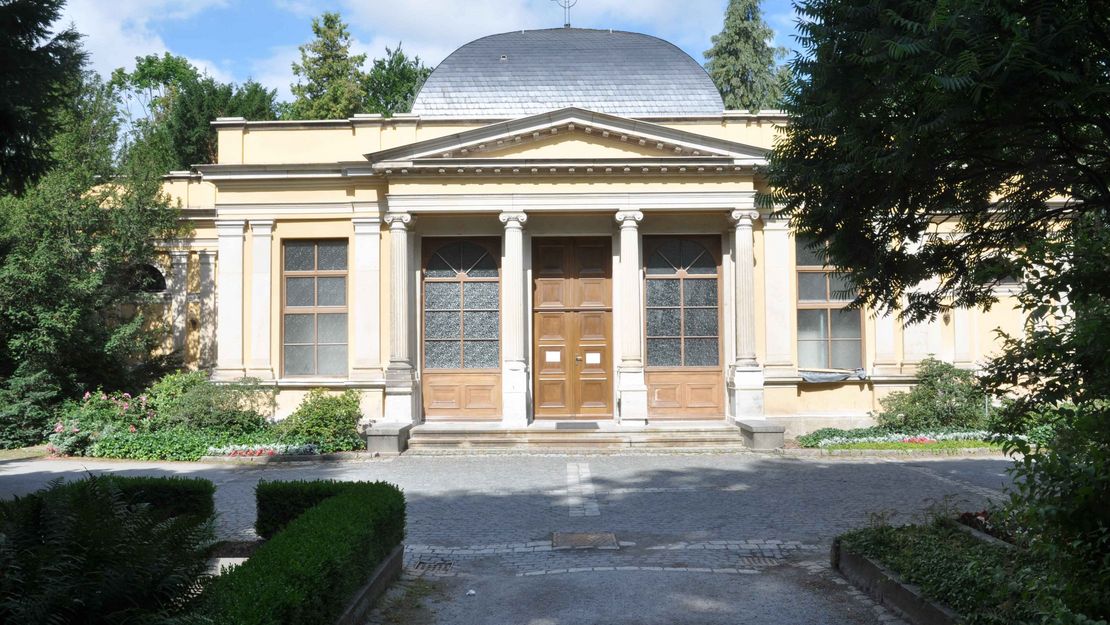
(331, 80)
(742, 61)
(393, 82)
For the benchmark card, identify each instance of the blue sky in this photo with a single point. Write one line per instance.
(238, 39)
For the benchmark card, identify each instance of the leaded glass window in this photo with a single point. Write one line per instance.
(314, 308)
(462, 312)
(682, 315)
(830, 335)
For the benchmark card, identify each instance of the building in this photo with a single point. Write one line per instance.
(563, 229)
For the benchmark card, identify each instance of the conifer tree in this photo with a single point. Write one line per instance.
(743, 61)
(330, 79)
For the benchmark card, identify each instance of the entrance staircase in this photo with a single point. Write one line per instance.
(577, 436)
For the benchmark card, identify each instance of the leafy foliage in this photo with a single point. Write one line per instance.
(307, 572)
(191, 400)
(85, 552)
(326, 419)
(986, 584)
(944, 397)
(742, 62)
(278, 503)
(392, 82)
(330, 78)
(26, 409)
(38, 76)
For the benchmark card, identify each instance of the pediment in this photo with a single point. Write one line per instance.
(570, 134)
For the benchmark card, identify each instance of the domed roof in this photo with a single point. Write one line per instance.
(534, 71)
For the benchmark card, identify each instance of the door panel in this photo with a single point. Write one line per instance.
(572, 317)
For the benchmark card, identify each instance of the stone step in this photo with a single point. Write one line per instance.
(431, 438)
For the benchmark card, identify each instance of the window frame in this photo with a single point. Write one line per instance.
(429, 247)
(828, 305)
(713, 247)
(315, 310)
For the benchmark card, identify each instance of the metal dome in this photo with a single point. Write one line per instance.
(534, 71)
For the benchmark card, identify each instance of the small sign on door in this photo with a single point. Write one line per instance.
(593, 358)
(552, 356)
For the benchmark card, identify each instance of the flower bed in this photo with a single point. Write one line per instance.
(253, 451)
(859, 438)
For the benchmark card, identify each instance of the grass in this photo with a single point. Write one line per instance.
(938, 445)
(23, 453)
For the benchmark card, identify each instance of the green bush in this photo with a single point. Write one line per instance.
(169, 496)
(328, 420)
(986, 584)
(180, 443)
(280, 502)
(944, 396)
(27, 409)
(93, 552)
(190, 399)
(307, 573)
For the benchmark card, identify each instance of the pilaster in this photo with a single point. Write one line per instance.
(229, 300)
(778, 299)
(366, 299)
(631, 384)
(514, 367)
(178, 287)
(259, 365)
(206, 260)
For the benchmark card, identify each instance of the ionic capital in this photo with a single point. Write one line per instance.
(398, 221)
(629, 219)
(513, 219)
(744, 217)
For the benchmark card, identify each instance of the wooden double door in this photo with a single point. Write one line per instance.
(573, 326)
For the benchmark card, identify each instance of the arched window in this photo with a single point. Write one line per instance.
(683, 318)
(147, 279)
(462, 327)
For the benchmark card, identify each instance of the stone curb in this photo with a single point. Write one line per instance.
(887, 588)
(857, 453)
(385, 574)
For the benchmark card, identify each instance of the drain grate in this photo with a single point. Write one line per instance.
(441, 566)
(584, 540)
(750, 561)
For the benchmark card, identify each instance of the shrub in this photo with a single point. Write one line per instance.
(190, 399)
(27, 408)
(945, 396)
(307, 573)
(327, 420)
(81, 423)
(180, 443)
(84, 552)
(280, 502)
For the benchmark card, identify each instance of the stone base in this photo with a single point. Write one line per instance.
(514, 395)
(761, 435)
(746, 393)
(387, 439)
(632, 394)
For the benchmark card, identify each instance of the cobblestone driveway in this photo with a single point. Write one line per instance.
(698, 538)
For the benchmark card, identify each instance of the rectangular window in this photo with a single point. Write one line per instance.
(681, 311)
(462, 304)
(830, 335)
(314, 308)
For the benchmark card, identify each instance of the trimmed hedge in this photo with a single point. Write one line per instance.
(307, 573)
(279, 503)
(167, 496)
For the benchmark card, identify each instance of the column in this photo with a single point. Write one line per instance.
(179, 293)
(366, 299)
(400, 405)
(207, 343)
(259, 365)
(747, 376)
(229, 300)
(514, 367)
(631, 385)
(778, 300)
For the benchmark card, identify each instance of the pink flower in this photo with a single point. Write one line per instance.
(87, 395)
(127, 395)
(76, 429)
(132, 429)
(59, 428)
(126, 405)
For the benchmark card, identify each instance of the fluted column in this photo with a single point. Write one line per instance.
(400, 404)
(229, 300)
(259, 365)
(514, 367)
(366, 298)
(746, 381)
(631, 386)
(179, 293)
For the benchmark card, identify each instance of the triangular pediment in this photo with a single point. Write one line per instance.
(570, 133)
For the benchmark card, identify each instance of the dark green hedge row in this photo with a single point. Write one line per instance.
(167, 496)
(307, 573)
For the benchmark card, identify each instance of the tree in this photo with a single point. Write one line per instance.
(393, 81)
(330, 79)
(743, 63)
(38, 72)
(937, 147)
(177, 100)
(70, 248)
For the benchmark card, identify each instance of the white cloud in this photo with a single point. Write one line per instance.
(276, 70)
(118, 31)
